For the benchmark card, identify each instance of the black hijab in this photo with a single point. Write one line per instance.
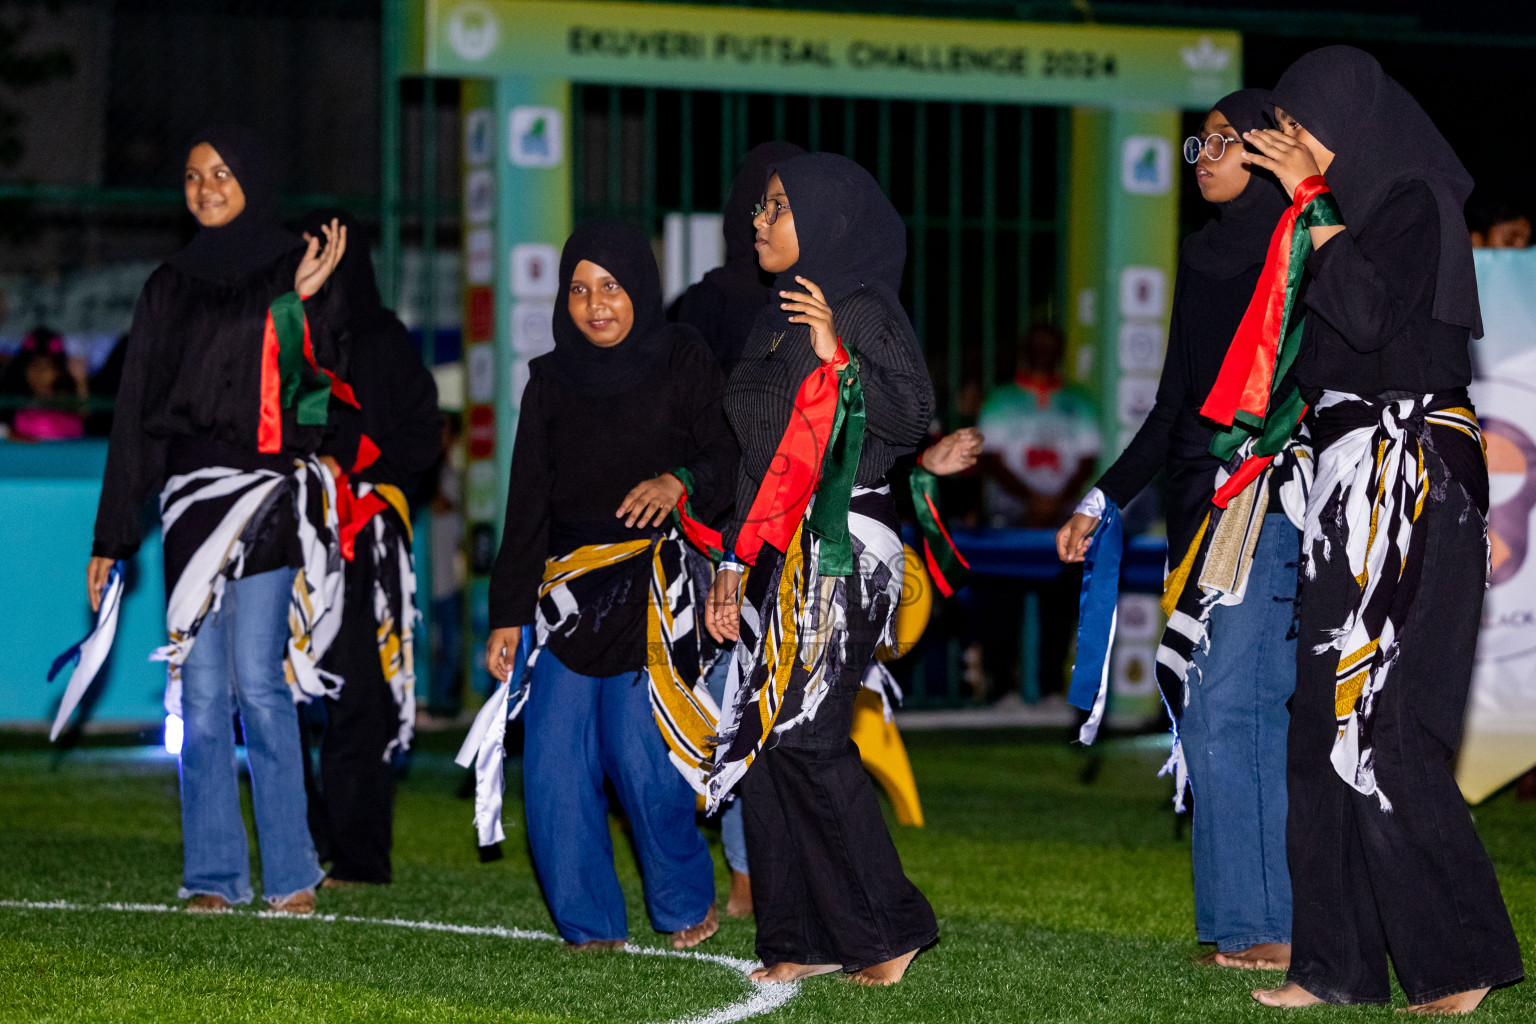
(1381, 136)
(746, 191)
(1237, 237)
(851, 237)
(354, 275)
(624, 251)
(255, 237)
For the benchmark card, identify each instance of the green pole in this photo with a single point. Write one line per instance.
(955, 341)
(389, 150)
(429, 221)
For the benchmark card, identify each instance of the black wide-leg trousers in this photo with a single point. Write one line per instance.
(1413, 884)
(827, 882)
(357, 784)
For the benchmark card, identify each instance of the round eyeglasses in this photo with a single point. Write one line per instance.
(772, 207)
(1215, 145)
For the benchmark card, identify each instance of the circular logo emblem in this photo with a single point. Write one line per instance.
(473, 31)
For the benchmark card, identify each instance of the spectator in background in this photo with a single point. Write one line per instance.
(1042, 438)
(1494, 223)
(1041, 442)
(39, 378)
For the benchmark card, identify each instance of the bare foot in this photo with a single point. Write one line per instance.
(208, 903)
(300, 903)
(1266, 956)
(888, 973)
(687, 938)
(739, 903)
(791, 972)
(329, 882)
(1290, 995)
(1207, 959)
(1450, 1006)
(596, 946)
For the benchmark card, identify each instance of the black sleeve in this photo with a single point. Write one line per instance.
(713, 464)
(1148, 451)
(136, 459)
(898, 396)
(405, 426)
(1365, 283)
(514, 590)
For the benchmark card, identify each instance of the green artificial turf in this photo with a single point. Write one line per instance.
(1058, 900)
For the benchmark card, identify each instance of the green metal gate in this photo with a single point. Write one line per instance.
(980, 186)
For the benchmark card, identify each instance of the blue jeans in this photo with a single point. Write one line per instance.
(732, 833)
(236, 663)
(576, 730)
(1234, 738)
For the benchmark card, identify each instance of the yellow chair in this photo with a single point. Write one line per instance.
(879, 742)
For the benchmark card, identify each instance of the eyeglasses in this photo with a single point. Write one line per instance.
(772, 207)
(1215, 146)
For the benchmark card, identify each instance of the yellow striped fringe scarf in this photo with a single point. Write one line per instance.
(1369, 494)
(685, 713)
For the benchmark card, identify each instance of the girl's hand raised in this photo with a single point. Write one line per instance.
(1287, 159)
(812, 309)
(316, 266)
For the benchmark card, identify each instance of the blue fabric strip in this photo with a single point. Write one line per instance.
(1096, 609)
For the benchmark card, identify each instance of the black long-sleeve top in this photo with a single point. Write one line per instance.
(399, 408)
(576, 457)
(1370, 294)
(760, 396)
(191, 390)
(1206, 313)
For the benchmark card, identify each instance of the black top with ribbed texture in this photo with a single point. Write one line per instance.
(760, 395)
(576, 456)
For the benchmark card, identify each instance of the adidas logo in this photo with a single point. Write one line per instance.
(1205, 56)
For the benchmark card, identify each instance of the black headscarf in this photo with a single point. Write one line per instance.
(256, 236)
(624, 251)
(354, 275)
(1381, 136)
(850, 235)
(746, 191)
(1237, 237)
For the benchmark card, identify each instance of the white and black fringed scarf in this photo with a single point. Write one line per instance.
(209, 518)
(1373, 481)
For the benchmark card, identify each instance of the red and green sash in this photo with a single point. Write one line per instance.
(700, 536)
(818, 455)
(286, 352)
(1246, 399)
(946, 564)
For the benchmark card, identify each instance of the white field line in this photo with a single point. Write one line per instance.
(762, 999)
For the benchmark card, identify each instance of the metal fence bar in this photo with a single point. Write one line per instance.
(815, 123)
(615, 153)
(953, 342)
(883, 159)
(392, 32)
(429, 221)
(850, 127)
(989, 247)
(728, 142)
(648, 171)
(685, 120)
(579, 150)
(920, 223)
(1061, 302)
(780, 115)
(1026, 218)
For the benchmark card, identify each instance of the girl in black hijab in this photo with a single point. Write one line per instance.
(1385, 861)
(724, 305)
(830, 391)
(224, 404)
(1229, 701)
(621, 449)
(386, 447)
